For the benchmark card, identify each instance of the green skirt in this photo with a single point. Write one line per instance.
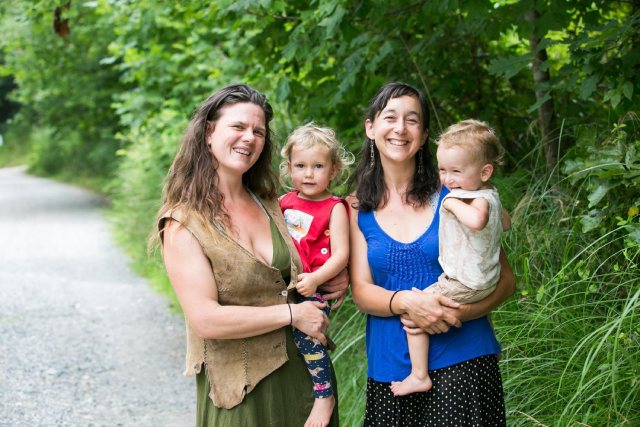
(283, 399)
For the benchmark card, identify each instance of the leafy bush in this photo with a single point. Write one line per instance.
(136, 191)
(14, 150)
(62, 86)
(609, 172)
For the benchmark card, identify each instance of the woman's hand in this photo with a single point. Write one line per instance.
(336, 289)
(427, 312)
(309, 318)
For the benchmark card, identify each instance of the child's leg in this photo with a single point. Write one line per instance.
(316, 357)
(418, 379)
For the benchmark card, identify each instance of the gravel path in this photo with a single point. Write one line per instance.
(83, 341)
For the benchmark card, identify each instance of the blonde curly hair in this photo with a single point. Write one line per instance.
(311, 135)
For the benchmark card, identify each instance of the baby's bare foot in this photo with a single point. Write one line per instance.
(411, 384)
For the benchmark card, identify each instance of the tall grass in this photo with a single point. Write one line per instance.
(350, 361)
(570, 335)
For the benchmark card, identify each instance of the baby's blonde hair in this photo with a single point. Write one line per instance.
(478, 137)
(311, 135)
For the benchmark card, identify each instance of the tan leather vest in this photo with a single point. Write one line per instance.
(235, 366)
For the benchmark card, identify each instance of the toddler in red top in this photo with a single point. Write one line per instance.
(318, 223)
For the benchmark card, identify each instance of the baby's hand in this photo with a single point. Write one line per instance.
(447, 203)
(306, 286)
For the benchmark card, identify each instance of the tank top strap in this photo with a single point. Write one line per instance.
(281, 258)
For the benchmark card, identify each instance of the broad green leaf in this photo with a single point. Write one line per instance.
(596, 195)
(634, 232)
(509, 67)
(540, 293)
(590, 223)
(534, 107)
(588, 86)
(283, 90)
(627, 90)
(615, 99)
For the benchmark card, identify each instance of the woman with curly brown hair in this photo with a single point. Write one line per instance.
(231, 263)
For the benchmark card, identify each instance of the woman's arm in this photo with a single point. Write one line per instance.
(195, 286)
(504, 289)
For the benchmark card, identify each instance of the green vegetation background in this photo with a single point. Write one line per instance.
(99, 92)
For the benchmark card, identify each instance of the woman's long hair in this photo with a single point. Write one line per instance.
(192, 181)
(371, 191)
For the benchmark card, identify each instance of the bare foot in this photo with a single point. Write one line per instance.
(411, 384)
(321, 412)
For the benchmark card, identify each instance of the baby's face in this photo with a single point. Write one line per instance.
(459, 169)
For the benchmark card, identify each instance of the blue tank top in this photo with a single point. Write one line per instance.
(400, 266)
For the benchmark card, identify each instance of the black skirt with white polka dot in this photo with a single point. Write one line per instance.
(466, 394)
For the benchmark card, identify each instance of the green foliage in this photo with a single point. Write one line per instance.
(62, 85)
(14, 149)
(318, 59)
(609, 173)
(111, 100)
(593, 55)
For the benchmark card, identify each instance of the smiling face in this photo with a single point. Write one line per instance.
(460, 169)
(311, 171)
(398, 130)
(238, 137)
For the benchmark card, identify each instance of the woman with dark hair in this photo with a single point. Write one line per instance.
(231, 262)
(394, 255)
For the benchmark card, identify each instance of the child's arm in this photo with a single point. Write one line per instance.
(339, 225)
(473, 213)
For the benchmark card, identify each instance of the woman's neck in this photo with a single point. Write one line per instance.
(231, 188)
(398, 178)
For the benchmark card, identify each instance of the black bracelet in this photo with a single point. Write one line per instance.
(391, 300)
(290, 315)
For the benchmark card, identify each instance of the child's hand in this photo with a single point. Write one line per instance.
(306, 286)
(447, 203)
(450, 203)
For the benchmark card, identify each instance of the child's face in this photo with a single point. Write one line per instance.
(311, 171)
(459, 169)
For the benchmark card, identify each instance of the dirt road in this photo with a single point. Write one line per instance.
(83, 341)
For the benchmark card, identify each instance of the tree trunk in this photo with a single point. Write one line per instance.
(546, 116)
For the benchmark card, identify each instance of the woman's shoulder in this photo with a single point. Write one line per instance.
(176, 221)
(178, 213)
(271, 204)
(351, 202)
